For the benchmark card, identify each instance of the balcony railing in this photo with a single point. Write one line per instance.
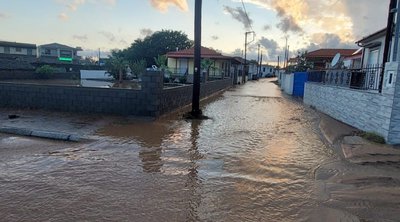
(367, 78)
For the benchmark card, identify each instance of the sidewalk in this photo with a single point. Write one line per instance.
(50, 125)
(354, 148)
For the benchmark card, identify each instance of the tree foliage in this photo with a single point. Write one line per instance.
(116, 66)
(138, 67)
(45, 71)
(301, 64)
(159, 43)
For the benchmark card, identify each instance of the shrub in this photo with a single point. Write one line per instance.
(45, 72)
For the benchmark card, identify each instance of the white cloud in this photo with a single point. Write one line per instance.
(163, 5)
(73, 5)
(348, 20)
(63, 16)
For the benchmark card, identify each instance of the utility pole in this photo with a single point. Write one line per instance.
(288, 54)
(278, 63)
(284, 59)
(261, 58)
(99, 56)
(196, 112)
(258, 59)
(245, 55)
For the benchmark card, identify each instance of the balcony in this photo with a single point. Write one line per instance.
(367, 78)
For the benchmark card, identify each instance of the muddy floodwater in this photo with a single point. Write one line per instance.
(254, 160)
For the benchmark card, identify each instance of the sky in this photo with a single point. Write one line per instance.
(115, 24)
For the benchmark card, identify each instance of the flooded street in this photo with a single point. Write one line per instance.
(254, 160)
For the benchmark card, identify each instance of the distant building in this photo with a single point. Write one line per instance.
(322, 58)
(181, 63)
(17, 49)
(58, 53)
(268, 71)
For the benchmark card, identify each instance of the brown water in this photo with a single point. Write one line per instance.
(252, 161)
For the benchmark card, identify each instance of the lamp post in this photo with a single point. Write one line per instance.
(196, 112)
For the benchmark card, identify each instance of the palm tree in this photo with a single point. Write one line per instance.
(116, 67)
(207, 64)
(138, 67)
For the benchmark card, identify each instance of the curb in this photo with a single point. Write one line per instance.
(41, 134)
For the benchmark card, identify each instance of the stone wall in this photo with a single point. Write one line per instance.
(174, 98)
(368, 111)
(72, 99)
(151, 100)
(30, 74)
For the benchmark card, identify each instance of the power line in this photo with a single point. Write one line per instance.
(247, 16)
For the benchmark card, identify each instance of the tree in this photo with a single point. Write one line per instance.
(207, 64)
(45, 71)
(161, 62)
(116, 67)
(302, 64)
(138, 67)
(159, 43)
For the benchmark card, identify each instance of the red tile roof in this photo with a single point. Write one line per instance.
(330, 53)
(205, 53)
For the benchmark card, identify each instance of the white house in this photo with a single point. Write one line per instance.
(373, 48)
(268, 71)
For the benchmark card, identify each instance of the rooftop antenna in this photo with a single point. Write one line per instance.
(336, 61)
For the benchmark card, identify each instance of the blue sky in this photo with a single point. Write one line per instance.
(115, 24)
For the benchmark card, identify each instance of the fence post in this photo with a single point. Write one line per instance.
(152, 88)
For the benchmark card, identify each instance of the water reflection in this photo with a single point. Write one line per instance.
(193, 181)
(148, 135)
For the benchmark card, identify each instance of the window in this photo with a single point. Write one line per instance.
(373, 58)
(7, 50)
(66, 54)
(47, 51)
(17, 49)
(29, 52)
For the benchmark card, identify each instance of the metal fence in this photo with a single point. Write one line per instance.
(367, 78)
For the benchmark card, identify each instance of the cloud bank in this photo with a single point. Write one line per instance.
(328, 22)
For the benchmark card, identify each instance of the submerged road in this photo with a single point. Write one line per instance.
(254, 160)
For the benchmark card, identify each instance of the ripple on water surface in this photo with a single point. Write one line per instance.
(251, 161)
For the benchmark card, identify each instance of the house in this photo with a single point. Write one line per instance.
(236, 70)
(365, 98)
(267, 70)
(8, 49)
(373, 48)
(181, 63)
(58, 53)
(321, 58)
(354, 61)
(253, 69)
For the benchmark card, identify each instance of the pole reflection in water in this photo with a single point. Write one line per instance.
(193, 182)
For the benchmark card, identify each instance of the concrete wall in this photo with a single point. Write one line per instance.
(287, 81)
(151, 100)
(368, 111)
(174, 98)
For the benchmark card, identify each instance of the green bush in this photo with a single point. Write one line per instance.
(45, 72)
(373, 137)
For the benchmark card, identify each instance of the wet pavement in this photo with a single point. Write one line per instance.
(260, 157)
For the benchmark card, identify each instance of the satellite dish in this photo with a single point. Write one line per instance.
(335, 60)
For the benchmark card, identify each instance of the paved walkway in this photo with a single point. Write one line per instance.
(354, 148)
